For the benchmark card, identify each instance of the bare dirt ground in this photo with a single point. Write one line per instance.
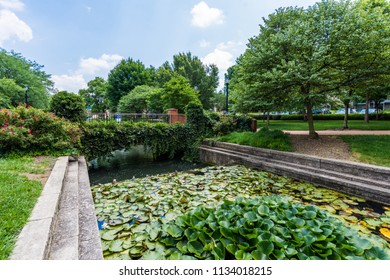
(43, 177)
(325, 146)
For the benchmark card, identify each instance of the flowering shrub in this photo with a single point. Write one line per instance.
(33, 131)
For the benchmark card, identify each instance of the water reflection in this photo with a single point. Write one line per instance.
(126, 164)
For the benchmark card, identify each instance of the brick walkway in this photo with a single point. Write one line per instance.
(340, 132)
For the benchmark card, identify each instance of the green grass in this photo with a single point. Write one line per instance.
(370, 149)
(269, 139)
(18, 196)
(328, 124)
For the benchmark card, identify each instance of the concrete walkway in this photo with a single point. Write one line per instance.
(339, 132)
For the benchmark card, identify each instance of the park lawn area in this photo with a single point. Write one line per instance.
(326, 124)
(18, 195)
(264, 138)
(372, 149)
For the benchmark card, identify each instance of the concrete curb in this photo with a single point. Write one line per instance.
(34, 241)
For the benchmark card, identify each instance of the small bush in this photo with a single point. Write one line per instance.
(68, 105)
(264, 138)
(30, 130)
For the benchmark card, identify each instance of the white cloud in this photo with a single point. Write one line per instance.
(204, 16)
(92, 65)
(12, 4)
(12, 26)
(223, 56)
(88, 69)
(71, 83)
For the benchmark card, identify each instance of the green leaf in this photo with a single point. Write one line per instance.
(195, 247)
(116, 246)
(242, 255)
(258, 255)
(309, 215)
(251, 216)
(263, 210)
(218, 252)
(174, 230)
(109, 235)
(266, 247)
(182, 246)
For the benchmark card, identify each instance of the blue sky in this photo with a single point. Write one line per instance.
(77, 40)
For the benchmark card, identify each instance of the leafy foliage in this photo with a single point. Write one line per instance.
(30, 130)
(144, 216)
(24, 73)
(264, 138)
(177, 93)
(68, 105)
(267, 228)
(124, 78)
(203, 78)
(304, 57)
(137, 101)
(11, 94)
(101, 138)
(95, 95)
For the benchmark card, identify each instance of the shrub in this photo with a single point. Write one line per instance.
(264, 138)
(30, 130)
(68, 105)
(227, 124)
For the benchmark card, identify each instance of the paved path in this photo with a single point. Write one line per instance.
(339, 132)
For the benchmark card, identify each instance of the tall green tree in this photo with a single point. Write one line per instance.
(203, 78)
(177, 93)
(95, 95)
(124, 78)
(28, 75)
(306, 55)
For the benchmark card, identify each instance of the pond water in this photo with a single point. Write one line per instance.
(134, 163)
(133, 215)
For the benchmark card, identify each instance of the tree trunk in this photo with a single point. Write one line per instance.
(312, 133)
(346, 106)
(366, 116)
(268, 120)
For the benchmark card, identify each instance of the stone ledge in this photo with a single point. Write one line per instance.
(34, 241)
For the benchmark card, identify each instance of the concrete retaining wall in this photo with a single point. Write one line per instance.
(368, 181)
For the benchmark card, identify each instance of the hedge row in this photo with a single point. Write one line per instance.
(321, 117)
(101, 138)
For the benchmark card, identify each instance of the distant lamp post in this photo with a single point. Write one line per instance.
(26, 96)
(227, 93)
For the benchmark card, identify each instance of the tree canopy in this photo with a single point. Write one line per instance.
(137, 101)
(124, 78)
(18, 73)
(95, 95)
(178, 93)
(304, 56)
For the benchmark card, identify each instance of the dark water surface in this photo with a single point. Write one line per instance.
(124, 165)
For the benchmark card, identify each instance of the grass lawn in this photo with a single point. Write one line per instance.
(18, 195)
(324, 125)
(370, 149)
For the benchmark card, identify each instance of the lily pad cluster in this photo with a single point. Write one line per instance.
(261, 229)
(133, 214)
